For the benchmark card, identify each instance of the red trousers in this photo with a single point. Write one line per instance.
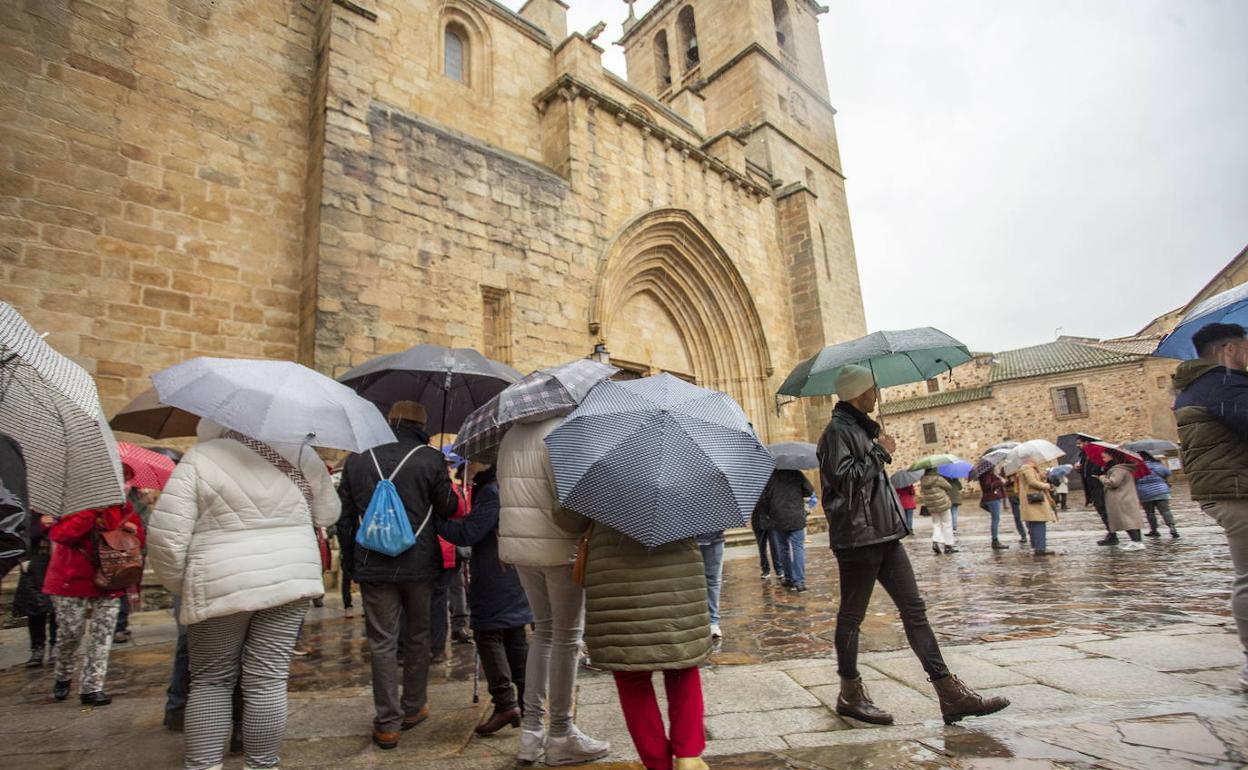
(645, 722)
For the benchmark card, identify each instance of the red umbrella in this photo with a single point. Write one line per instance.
(1096, 451)
(151, 469)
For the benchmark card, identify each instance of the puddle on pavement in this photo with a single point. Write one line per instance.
(874, 756)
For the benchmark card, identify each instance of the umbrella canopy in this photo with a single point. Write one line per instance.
(1038, 450)
(543, 394)
(151, 469)
(1097, 451)
(274, 401)
(50, 406)
(1154, 446)
(146, 416)
(1003, 445)
(449, 382)
(895, 357)
(1060, 471)
(903, 479)
(957, 470)
(933, 461)
(794, 456)
(1229, 307)
(659, 460)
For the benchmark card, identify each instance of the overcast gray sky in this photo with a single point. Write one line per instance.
(1015, 167)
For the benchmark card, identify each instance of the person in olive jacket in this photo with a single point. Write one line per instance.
(396, 588)
(865, 528)
(1212, 413)
(646, 611)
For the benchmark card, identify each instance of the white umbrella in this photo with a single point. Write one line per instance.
(1038, 449)
(274, 401)
(50, 406)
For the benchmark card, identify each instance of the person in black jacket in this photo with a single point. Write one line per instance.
(394, 587)
(865, 528)
(785, 497)
(499, 609)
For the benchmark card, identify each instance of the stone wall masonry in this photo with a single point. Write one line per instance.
(151, 178)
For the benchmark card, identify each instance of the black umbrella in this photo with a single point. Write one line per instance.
(794, 456)
(449, 382)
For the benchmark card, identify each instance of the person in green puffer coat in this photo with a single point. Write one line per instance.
(1212, 413)
(646, 611)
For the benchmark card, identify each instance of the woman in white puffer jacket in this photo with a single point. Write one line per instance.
(233, 536)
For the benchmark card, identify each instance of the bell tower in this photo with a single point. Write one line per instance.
(755, 69)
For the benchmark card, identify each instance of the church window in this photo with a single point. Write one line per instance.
(662, 61)
(455, 53)
(496, 323)
(933, 385)
(929, 433)
(784, 26)
(688, 37)
(1069, 401)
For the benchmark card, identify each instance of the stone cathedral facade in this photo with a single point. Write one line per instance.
(329, 180)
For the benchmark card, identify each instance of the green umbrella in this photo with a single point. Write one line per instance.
(934, 461)
(894, 357)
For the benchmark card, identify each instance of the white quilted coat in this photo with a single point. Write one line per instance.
(231, 533)
(528, 535)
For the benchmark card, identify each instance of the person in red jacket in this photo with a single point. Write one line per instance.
(81, 607)
(906, 496)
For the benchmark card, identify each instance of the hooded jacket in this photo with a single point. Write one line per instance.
(859, 503)
(231, 533)
(1212, 413)
(495, 597)
(937, 493)
(785, 500)
(425, 489)
(530, 531)
(1153, 486)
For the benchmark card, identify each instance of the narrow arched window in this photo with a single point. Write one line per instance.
(784, 25)
(688, 37)
(455, 53)
(662, 61)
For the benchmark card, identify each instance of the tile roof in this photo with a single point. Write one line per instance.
(1063, 355)
(948, 398)
(1140, 346)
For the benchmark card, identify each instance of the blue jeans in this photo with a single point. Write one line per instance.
(769, 538)
(713, 566)
(994, 510)
(1039, 532)
(910, 519)
(953, 517)
(1018, 520)
(793, 555)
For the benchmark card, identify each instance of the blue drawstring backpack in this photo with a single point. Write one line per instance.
(385, 527)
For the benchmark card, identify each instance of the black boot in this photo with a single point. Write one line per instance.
(997, 545)
(36, 657)
(1174, 532)
(60, 689)
(853, 701)
(936, 548)
(1110, 539)
(1152, 533)
(99, 698)
(951, 549)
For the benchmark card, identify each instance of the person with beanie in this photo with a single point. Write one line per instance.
(865, 528)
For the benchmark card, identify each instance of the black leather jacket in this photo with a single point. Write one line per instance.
(859, 503)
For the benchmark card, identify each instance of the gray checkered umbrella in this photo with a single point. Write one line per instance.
(659, 460)
(50, 406)
(545, 393)
(449, 382)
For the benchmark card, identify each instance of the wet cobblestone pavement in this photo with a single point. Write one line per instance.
(1112, 660)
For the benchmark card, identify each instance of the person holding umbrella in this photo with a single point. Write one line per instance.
(1035, 505)
(1122, 502)
(865, 529)
(1154, 492)
(937, 492)
(1093, 486)
(906, 496)
(785, 501)
(992, 492)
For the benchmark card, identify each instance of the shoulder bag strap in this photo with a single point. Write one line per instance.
(276, 460)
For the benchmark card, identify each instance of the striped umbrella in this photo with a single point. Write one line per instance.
(50, 406)
(659, 460)
(545, 393)
(150, 469)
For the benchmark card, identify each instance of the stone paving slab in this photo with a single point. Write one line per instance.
(970, 669)
(748, 724)
(1173, 653)
(907, 705)
(1038, 653)
(1104, 679)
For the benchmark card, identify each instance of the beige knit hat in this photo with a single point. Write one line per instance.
(853, 381)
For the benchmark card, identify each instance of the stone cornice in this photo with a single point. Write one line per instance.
(645, 19)
(757, 48)
(570, 89)
(752, 127)
(521, 24)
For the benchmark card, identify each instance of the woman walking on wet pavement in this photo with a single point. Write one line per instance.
(1154, 492)
(865, 529)
(1122, 502)
(1035, 505)
(936, 492)
(992, 492)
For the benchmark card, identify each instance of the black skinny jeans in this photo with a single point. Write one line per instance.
(503, 657)
(860, 568)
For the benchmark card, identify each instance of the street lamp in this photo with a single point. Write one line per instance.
(601, 354)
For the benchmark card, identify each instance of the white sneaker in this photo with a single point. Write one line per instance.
(574, 748)
(715, 632)
(1133, 546)
(532, 746)
(1243, 678)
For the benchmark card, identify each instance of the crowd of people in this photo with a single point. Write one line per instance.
(234, 537)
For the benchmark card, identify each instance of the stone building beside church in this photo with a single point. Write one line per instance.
(330, 180)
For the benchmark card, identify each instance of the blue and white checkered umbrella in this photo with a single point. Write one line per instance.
(659, 460)
(546, 393)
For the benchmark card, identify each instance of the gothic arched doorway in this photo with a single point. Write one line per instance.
(669, 298)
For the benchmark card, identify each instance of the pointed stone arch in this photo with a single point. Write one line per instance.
(669, 255)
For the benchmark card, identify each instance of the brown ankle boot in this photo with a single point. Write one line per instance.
(854, 702)
(498, 720)
(957, 701)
